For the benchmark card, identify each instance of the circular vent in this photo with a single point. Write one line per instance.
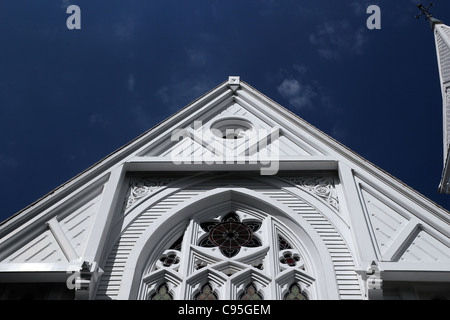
(231, 128)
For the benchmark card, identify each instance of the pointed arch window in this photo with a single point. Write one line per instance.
(251, 293)
(283, 244)
(243, 255)
(295, 293)
(162, 293)
(206, 293)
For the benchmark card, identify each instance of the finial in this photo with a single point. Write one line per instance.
(234, 82)
(428, 16)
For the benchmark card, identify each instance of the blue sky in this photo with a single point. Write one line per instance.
(68, 98)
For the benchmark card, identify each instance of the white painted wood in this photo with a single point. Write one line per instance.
(62, 240)
(442, 41)
(346, 218)
(42, 249)
(358, 220)
(98, 230)
(401, 242)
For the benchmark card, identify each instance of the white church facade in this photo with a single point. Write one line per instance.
(233, 197)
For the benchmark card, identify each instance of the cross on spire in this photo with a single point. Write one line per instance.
(424, 11)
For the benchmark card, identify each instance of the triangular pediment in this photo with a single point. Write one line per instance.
(232, 129)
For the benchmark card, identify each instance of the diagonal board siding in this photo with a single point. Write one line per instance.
(113, 270)
(426, 248)
(344, 266)
(387, 222)
(43, 248)
(76, 224)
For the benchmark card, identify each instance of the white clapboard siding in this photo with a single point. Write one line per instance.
(344, 266)
(113, 270)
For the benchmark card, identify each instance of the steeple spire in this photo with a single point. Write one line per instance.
(442, 40)
(424, 11)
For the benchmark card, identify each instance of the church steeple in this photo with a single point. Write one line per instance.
(442, 40)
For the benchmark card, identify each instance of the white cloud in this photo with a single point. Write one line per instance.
(334, 39)
(163, 94)
(339, 132)
(196, 57)
(298, 95)
(6, 161)
(179, 94)
(96, 120)
(65, 4)
(143, 118)
(130, 82)
(300, 68)
(125, 29)
(360, 7)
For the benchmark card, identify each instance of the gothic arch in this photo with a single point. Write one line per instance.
(153, 241)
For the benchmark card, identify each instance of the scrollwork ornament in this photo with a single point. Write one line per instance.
(140, 188)
(322, 190)
(323, 187)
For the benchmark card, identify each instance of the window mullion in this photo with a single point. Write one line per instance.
(186, 266)
(272, 265)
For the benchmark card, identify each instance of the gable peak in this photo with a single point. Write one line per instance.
(234, 82)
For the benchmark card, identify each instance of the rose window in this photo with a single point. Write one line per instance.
(230, 235)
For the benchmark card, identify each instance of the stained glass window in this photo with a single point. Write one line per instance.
(231, 217)
(283, 243)
(177, 244)
(251, 293)
(162, 293)
(211, 246)
(295, 293)
(230, 234)
(206, 293)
